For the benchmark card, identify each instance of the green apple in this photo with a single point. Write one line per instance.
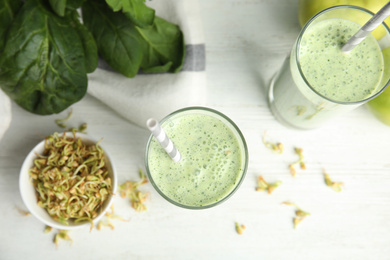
(308, 8)
(380, 106)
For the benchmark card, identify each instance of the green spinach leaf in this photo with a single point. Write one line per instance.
(89, 44)
(8, 9)
(42, 67)
(59, 6)
(139, 13)
(163, 47)
(115, 35)
(74, 4)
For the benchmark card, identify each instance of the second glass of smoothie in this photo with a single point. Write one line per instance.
(214, 158)
(318, 81)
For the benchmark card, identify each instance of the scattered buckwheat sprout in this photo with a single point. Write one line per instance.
(275, 147)
(130, 189)
(239, 228)
(62, 122)
(300, 162)
(263, 185)
(47, 229)
(62, 234)
(108, 221)
(336, 186)
(299, 213)
(23, 212)
(83, 128)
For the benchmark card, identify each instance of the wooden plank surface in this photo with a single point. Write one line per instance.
(246, 43)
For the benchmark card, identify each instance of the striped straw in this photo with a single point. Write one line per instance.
(374, 22)
(163, 139)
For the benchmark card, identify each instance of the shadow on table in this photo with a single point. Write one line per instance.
(267, 48)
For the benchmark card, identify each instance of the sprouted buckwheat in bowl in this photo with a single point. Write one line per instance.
(67, 181)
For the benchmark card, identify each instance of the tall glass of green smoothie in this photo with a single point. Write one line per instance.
(214, 158)
(318, 81)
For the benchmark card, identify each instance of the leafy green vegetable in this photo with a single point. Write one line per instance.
(8, 9)
(115, 35)
(43, 62)
(46, 50)
(74, 4)
(140, 14)
(59, 6)
(89, 44)
(126, 47)
(162, 47)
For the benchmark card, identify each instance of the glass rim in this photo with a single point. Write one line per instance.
(297, 45)
(237, 133)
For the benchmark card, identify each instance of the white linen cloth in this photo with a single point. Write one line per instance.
(5, 113)
(157, 95)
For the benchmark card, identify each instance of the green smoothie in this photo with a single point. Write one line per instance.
(345, 77)
(318, 81)
(213, 159)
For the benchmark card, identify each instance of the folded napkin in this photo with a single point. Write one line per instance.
(5, 113)
(157, 95)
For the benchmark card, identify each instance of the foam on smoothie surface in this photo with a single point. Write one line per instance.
(210, 167)
(345, 77)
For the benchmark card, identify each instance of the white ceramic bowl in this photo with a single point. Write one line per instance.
(29, 196)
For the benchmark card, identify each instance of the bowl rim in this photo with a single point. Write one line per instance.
(40, 213)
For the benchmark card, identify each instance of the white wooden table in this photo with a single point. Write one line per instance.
(246, 42)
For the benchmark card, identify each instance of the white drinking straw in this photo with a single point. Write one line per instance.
(163, 139)
(374, 22)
